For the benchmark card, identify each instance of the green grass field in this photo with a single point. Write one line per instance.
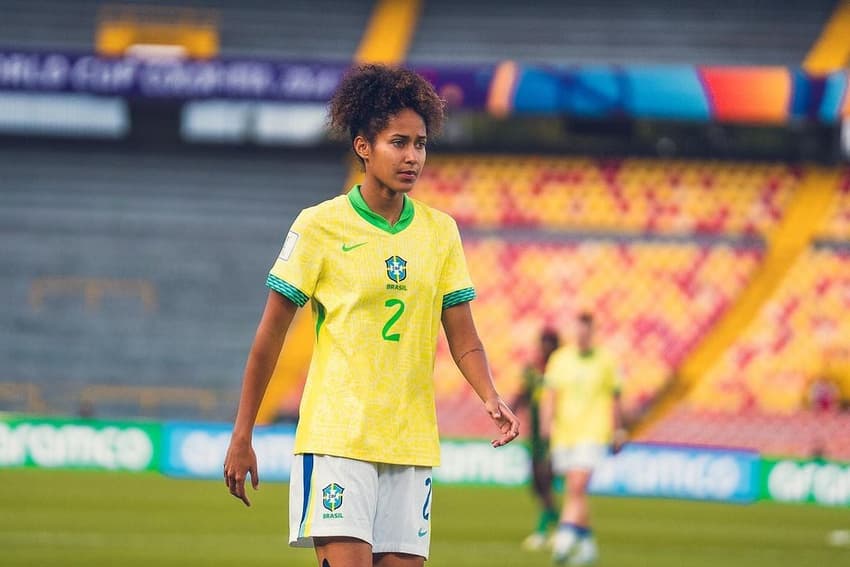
(101, 519)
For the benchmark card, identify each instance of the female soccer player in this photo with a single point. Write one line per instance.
(581, 411)
(381, 272)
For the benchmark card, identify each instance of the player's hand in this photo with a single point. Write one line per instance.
(505, 420)
(239, 462)
(621, 437)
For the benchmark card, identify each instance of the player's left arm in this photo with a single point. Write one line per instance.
(468, 353)
(621, 432)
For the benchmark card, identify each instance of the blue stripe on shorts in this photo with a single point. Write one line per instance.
(307, 461)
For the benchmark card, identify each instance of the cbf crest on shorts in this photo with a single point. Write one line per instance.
(332, 499)
(396, 268)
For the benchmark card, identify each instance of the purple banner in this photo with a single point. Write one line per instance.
(461, 87)
(169, 79)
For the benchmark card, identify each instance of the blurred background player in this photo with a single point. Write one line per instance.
(541, 464)
(582, 414)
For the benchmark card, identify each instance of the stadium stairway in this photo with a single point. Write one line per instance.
(389, 31)
(789, 239)
(831, 51)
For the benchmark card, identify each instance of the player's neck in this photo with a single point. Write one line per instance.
(383, 200)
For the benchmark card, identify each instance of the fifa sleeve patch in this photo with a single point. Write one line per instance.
(288, 246)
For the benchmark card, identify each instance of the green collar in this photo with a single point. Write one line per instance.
(376, 220)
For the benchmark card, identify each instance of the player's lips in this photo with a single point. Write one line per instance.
(409, 175)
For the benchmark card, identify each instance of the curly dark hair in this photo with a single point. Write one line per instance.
(369, 95)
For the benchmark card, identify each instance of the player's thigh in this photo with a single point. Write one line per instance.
(342, 552)
(331, 497)
(578, 481)
(403, 519)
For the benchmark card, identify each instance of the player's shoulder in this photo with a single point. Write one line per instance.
(566, 350)
(320, 212)
(563, 353)
(435, 217)
(605, 355)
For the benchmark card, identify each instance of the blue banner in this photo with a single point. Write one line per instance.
(679, 472)
(836, 97)
(604, 91)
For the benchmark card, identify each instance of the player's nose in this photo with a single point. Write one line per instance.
(411, 155)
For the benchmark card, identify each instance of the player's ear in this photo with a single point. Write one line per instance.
(362, 147)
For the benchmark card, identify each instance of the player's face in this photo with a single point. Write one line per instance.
(547, 347)
(397, 156)
(585, 336)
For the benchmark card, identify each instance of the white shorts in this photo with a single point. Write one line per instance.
(583, 456)
(387, 506)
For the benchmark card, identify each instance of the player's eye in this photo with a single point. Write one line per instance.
(398, 143)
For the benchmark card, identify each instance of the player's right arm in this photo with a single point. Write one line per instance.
(548, 399)
(241, 460)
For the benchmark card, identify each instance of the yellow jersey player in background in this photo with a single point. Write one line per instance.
(583, 416)
(381, 273)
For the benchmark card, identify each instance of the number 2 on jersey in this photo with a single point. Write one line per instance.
(399, 304)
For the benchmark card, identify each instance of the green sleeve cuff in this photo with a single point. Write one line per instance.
(458, 297)
(288, 290)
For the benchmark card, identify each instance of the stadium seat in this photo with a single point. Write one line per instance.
(788, 345)
(635, 196)
(761, 394)
(548, 282)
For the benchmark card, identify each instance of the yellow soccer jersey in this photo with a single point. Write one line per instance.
(377, 293)
(585, 386)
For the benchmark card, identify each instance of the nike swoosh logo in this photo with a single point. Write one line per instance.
(352, 247)
(422, 533)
